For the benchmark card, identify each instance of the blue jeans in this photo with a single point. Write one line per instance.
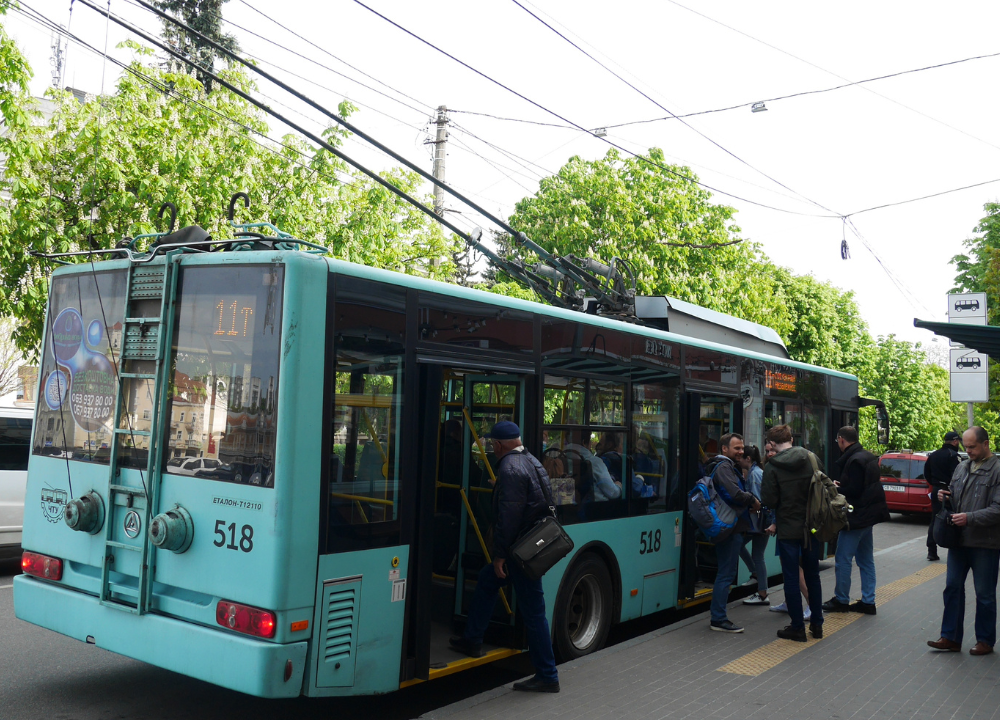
(727, 555)
(531, 603)
(984, 564)
(856, 545)
(790, 552)
(755, 558)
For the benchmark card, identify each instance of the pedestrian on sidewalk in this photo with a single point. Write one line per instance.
(728, 482)
(520, 499)
(757, 535)
(784, 489)
(938, 469)
(859, 482)
(975, 499)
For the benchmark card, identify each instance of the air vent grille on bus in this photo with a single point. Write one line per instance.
(340, 625)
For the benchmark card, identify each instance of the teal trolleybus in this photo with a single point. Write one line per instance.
(264, 468)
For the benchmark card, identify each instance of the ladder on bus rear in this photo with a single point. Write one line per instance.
(145, 340)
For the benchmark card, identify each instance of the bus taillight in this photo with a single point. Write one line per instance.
(41, 566)
(245, 619)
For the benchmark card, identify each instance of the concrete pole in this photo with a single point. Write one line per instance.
(440, 142)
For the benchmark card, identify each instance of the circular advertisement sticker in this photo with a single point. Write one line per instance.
(56, 388)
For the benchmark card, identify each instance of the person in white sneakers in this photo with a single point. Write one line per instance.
(760, 521)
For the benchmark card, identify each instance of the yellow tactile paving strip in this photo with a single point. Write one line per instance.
(763, 659)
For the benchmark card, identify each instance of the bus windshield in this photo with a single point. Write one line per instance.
(225, 374)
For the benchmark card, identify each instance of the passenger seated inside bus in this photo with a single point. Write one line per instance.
(579, 468)
(609, 450)
(605, 487)
(561, 480)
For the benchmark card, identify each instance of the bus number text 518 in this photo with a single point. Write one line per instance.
(244, 543)
(649, 542)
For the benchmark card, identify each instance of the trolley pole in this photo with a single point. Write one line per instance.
(440, 142)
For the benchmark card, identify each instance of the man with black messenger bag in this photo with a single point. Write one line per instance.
(521, 498)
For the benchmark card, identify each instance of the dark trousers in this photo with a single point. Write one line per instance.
(530, 602)
(791, 552)
(984, 563)
(932, 547)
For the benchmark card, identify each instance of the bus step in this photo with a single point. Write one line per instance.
(130, 431)
(122, 546)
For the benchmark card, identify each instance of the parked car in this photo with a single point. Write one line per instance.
(15, 448)
(906, 490)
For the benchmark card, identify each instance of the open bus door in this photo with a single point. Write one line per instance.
(454, 541)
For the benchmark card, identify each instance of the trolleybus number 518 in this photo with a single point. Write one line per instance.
(649, 542)
(245, 540)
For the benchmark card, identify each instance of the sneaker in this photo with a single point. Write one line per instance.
(756, 599)
(863, 607)
(816, 629)
(790, 633)
(725, 626)
(780, 607)
(834, 605)
(466, 647)
(806, 613)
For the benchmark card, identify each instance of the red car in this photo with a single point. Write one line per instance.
(902, 473)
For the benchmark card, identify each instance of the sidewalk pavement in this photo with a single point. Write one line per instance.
(865, 666)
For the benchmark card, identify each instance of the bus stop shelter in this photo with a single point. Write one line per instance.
(981, 338)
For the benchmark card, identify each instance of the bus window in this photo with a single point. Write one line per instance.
(80, 349)
(15, 443)
(655, 454)
(607, 403)
(564, 398)
(370, 326)
(224, 400)
(715, 422)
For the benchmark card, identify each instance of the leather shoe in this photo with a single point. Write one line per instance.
(980, 648)
(790, 633)
(536, 684)
(466, 647)
(863, 607)
(816, 629)
(932, 556)
(946, 644)
(834, 605)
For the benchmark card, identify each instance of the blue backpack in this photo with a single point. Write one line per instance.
(710, 511)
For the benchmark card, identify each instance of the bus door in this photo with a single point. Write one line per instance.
(462, 495)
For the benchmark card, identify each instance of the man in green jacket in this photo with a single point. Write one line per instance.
(784, 490)
(975, 499)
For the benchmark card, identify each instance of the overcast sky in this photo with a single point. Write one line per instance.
(830, 153)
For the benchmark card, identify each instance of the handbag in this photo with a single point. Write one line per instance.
(945, 533)
(540, 547)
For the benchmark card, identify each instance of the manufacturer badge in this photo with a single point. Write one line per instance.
(132, 524)
(53, 504)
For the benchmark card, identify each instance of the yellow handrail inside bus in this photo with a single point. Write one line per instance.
(475, 439)
(362, 511)
(361, 498)
(482, 544)
(459, 487)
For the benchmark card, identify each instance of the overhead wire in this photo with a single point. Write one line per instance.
(538, 105)
(660, 105)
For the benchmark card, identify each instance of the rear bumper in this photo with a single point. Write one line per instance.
(219, 657)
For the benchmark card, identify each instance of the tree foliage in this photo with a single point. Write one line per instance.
(99, 171)
(205, 17)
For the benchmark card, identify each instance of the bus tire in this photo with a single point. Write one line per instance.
(582, 615)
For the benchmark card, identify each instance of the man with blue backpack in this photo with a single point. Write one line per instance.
(728, 482)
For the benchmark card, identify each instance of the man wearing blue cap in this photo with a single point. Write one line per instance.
(520, 499)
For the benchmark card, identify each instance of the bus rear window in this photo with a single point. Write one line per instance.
(224, 395)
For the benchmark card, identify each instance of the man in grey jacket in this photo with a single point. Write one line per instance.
(975, 500)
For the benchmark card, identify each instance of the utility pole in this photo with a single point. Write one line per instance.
(440, 142)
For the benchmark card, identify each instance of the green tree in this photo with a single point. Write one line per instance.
(205, 17)
(642, 211)
(99, 171)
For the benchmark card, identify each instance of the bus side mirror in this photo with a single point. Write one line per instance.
(882, 420)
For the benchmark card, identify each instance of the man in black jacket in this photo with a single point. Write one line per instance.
(938, 470)
(859, 482)
(729, 484)
(520, 499)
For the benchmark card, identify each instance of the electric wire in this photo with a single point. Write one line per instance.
(830, 72)
(538, 105)
(647, 96)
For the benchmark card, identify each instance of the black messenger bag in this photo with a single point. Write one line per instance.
(946, 534)
(542, 546)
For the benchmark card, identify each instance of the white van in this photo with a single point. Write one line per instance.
(15, 447)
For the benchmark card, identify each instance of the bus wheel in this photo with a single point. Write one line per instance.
(583, 609)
